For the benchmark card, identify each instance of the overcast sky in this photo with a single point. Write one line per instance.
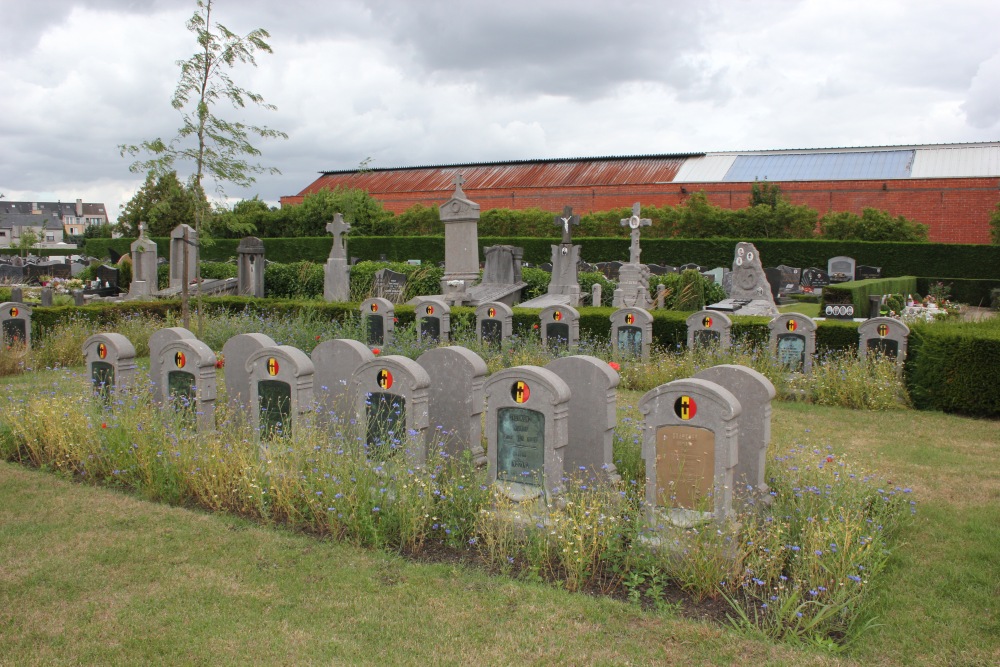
(419, 82)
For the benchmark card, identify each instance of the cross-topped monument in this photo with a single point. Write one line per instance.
(458, 181)
(565, 221)
(338, 228)
(634, 223)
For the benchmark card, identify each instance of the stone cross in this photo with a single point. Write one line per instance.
(634, 223)
(458, 181)
(565, 220)
(142, 229)
(338, 227)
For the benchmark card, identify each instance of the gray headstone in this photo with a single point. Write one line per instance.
(157, 340)
(250, 272)
(593, 414)
(494, 323)
(456, 400)
(632, 332)
(110, 359)
(690, 445)
(15, 321)
(379, 317)
(750, 282)
(755, 394)
(841, 269)
(596, 295)
(391, 403)
(144, 265)
(235, 354)
(281, 389)
(337, 271)
(460, 217)
(709, 328)
(527, 430)
(78, 298)
(793, 341)
(16, 295)
(183, 241)
(433, 319)
(335, 363)
(187, 373)
(46, 296)
(886, 336)
(560, 327)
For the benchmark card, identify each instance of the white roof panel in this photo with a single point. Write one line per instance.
(957, 162)
(711, 168)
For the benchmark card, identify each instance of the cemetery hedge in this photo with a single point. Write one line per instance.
(857, 291)
(953, 367)
(930, 260)
(973, 291)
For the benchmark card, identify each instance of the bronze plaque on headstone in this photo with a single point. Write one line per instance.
(685, 466)
(520, 445)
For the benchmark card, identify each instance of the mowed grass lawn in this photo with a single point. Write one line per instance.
(93, 576)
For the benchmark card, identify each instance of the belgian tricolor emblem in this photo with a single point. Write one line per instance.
(520, 392)
(791, 325)
(384, 378)
(685, 407)
(492, 312)
(374, 307)
(557, 315)
(883, 329)
(179, 359)
(14, 311)
(430, 310)
(629, 318)
(707, 321)
(102, 350)
(272, 366)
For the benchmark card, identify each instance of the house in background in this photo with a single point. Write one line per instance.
(51, 222)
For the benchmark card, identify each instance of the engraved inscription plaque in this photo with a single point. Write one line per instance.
(492, 332)
(685, 467)
(386, 423)
(430, 327)
(883, 346)
(520, 445)
(275, 399)
(707, 338)
(13, 331)
(102, 374)
(376, 331)
(792, 351)
(557, 334)
(630, 341)
(181, 389)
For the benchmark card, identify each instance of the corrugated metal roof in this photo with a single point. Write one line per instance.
(580, 172)
(822, 166)
(707, 169)
(968, 162)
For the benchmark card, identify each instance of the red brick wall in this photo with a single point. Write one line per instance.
(957, 210)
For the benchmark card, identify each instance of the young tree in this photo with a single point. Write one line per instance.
(217, 148)
(162, 203)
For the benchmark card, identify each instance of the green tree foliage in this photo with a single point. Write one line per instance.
(163, 202)
(765, 193)
(420, 221)
(28, 239)
(872, 225)
(247, 216)
(523, 222)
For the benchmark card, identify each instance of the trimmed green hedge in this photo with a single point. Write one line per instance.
(858, 291)
(955, 367)
(975, 292)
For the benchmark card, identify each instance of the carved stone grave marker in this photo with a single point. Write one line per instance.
(793, 341)
(391, 401)
(632, 331)
(456, 400)
(709, 328)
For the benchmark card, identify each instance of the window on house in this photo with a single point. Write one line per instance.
(50, 238)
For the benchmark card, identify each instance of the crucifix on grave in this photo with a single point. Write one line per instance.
(338, 228)
(634, 223)
(566, 220)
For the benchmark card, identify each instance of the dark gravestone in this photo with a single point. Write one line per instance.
(14, 331)
(547, 267)
(883, 346)
(557, 334)
(102, 377)
(520, 446)
(864, 272)
(376, 330)
(686, 267)
(707, 338)
(430, 327)
(389, 284)
(773, 276)
(275, 400)
(791, 279)
(181, 389)
(813, 278)
(380, 316)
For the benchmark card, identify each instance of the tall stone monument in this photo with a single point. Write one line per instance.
(251, 267)
(143, 266)
(183, 255)
(750, 293)
(461, 244)
(633, 277)
(337, 272)
(564, 288)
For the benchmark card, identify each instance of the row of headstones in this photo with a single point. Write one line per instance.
(698, 438)
(793, 337)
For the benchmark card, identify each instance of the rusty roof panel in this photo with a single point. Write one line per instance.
(583, 172)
